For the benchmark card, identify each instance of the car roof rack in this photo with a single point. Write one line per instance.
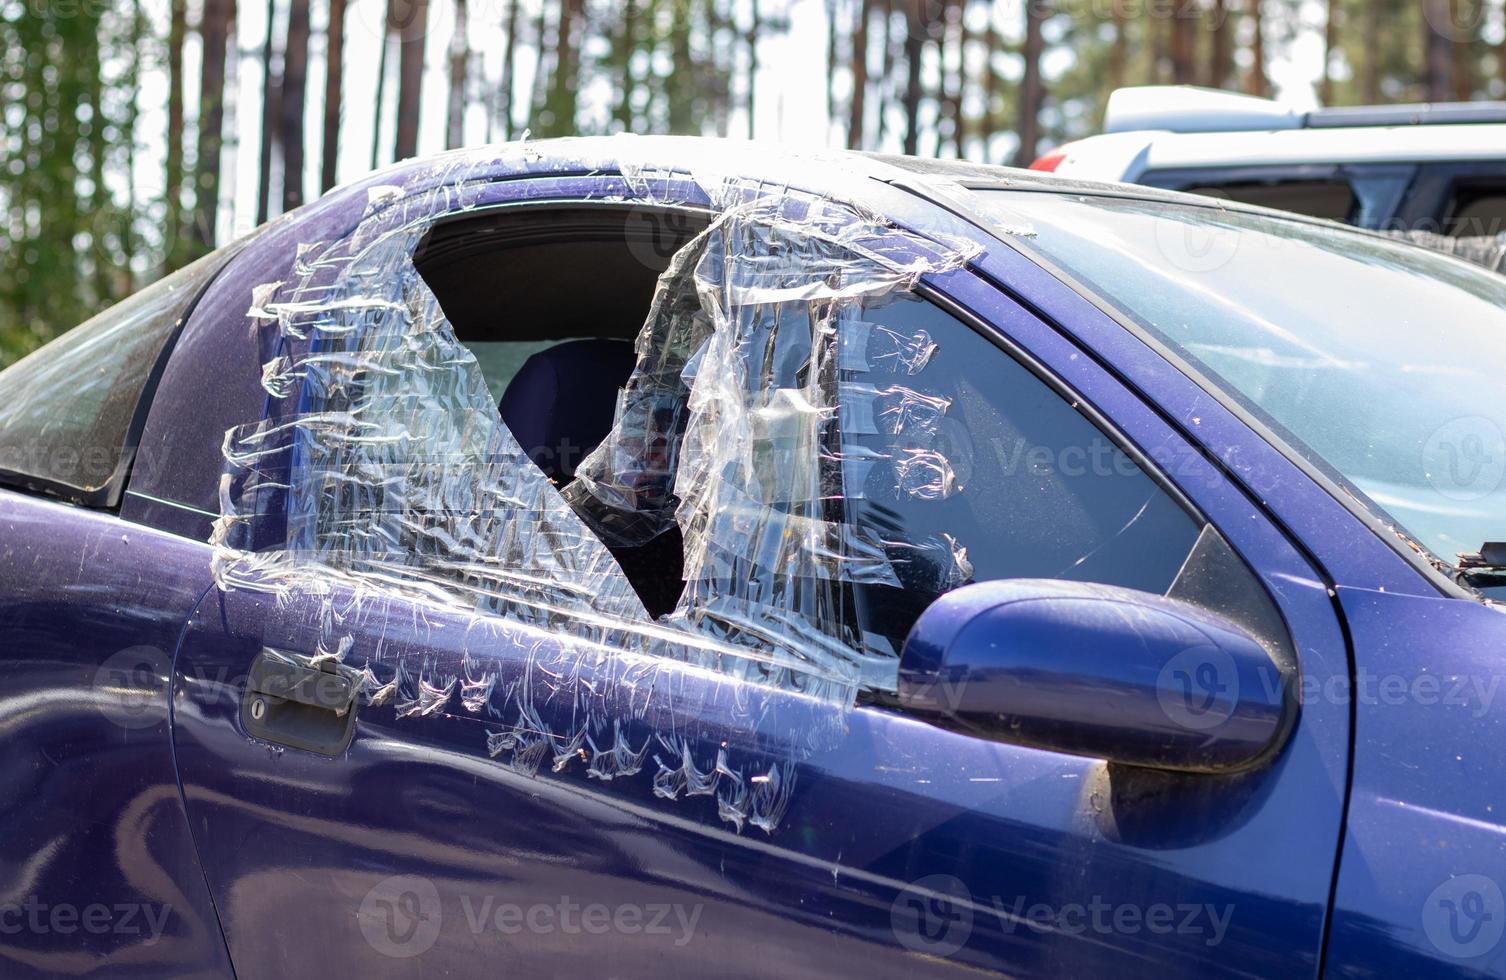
(1418, 114)
(1191, 109)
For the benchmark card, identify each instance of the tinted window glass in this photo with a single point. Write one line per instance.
(1382, 362)
(66, 410)
(1477, 208)
(1014, 474)
(1333, 199)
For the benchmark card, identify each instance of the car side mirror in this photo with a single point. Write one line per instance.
(1093, 670)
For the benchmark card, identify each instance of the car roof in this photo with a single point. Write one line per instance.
(1377, 144)
(1152, 128)
(839, 174)
(705, 159)
(1192, 109)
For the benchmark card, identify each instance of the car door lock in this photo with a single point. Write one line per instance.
(301, 702)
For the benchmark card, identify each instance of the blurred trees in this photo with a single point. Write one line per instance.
(68, 228)
(121, 137)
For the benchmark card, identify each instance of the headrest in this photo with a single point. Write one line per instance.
(560, 404)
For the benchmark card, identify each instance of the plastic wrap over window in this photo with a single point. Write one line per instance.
(382, 473)
(741, 428)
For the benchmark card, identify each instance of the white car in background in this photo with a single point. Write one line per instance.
(1435, 168)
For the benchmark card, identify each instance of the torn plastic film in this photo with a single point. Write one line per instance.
(382, 478)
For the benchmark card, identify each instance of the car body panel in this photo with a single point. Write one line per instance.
(1129, 156)
(955, 816)
(1420, 881)
(99, 871)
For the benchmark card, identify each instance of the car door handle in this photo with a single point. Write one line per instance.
(294, 700)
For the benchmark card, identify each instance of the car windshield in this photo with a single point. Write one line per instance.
(1383, 363)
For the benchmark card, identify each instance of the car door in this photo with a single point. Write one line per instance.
(98, 875)
(423, 725)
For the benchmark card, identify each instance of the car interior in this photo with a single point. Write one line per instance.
(550, 301)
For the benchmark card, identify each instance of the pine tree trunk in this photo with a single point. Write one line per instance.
(558, 118)
(969, 42)
(682, 88)
(1330, 48)
(1221, 62)
(988, 125)
(509, 67)
(389, 28)
(132, 83)
(625, 44)
(1438, 60)
(271, 98)
(1501, 60)
(1464, 50)
(173, 177)
(99, 253)
(1032, 91)
(755, 27)
(1256, 82)
(538, 86)
(855, 106)
(214, 30)
(460, 55)
(1118, 48)
(915, 34)
(410, 76)
(1371, 85)
(832, 14)
(1158, 32)
(1184, 27)
(886, 69)
(295, 68)
(950, 110)
(334, 95)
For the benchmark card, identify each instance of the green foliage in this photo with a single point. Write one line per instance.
(74, 238)
(67, 225)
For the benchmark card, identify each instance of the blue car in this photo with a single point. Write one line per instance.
(646, 557)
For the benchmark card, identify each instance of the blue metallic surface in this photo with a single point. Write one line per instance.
(906, 849)
(98, 875)
(1009, 828)
(1424, 863)
(1098, 671)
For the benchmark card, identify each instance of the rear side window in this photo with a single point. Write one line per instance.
(70, 412)
(1367, 196)
(1331, 199)
(1476, 208)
